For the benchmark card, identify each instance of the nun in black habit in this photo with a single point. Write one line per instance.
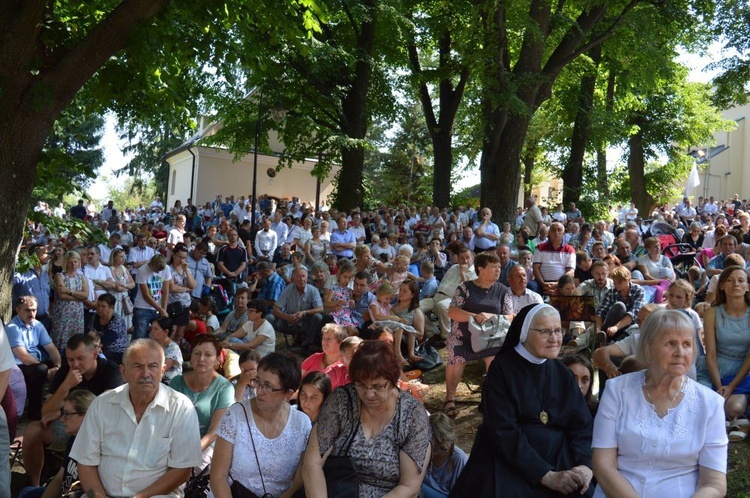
(535, 440)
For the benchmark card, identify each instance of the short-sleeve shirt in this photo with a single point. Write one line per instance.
(200, 270)
(272, 288)
(347, 237)
(291, 301)
(279, 457)
(132, 455)
(106, 377)
(217, 396)
(376, 460)
(554, 261)
(266, 330)
(661, 456)
(154, 282)
(232, 257)
(32, 337)
(6, 355)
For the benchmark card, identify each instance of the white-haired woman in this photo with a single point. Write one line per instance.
(657, 432)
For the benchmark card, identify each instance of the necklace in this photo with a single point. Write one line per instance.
(543, 415)
(275, 427)
(669, 406)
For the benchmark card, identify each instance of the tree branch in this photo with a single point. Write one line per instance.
(78, 65)
(568, 48)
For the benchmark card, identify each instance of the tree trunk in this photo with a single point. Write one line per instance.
(350, 190)
(31, 101)
(501, 167)
(573, 173)
(443, 165)
(601, 149)
(21, 141)
(636, 167)
(528, 169)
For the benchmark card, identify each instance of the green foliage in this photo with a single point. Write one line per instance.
(135, 192)
(404, 172)
(71, 155)
(67, 227)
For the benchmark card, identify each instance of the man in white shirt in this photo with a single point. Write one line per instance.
(278, 226)
(357, 228)
(711, 208)
(140, 254)
(519, 293)
(141, 439)
(6, 364)
(441, 301)
(266, 241)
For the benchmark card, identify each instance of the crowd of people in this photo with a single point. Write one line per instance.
(185, 389)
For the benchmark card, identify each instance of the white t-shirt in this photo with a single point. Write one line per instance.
(154, 281)
(266, 329)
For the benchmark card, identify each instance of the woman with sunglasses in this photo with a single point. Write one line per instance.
(261, 440)
(75, 406)
(384, 430)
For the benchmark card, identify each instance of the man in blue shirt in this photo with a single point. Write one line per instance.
(299, 310)
(34, 351)
(200, 269)
(343, 241)
(35, 282)
(273, 284)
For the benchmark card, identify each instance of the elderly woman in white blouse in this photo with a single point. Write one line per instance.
(657, 432)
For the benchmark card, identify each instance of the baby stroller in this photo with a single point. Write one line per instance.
(682, 255)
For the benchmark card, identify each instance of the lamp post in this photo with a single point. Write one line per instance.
(277, 114)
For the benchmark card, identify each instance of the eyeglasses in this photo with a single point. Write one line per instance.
(376, 388)
(546, 333)
(64, 414)
(266, 387)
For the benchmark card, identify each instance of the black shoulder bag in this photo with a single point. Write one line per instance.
(238, 490)
(341, 477)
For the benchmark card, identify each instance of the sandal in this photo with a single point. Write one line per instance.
(449, 408)
(738, 434)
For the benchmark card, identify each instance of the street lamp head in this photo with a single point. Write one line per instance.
(278, 113)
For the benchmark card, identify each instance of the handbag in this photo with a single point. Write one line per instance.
(430, 357)
(197, 486)
(238, 489)
(175, 308)
(127, 305)
(488, 334)
(341, 476)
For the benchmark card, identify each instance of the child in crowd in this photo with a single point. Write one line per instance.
(699, 279)
(583, 267)
(339, 371)
(525, 260)
(447, 461)
(680, 297)
(380, 309)
(566, 285)
(400, 271)
(331, 262)
(315, 388)
(244, 383)
(338, 299)
(430, 285)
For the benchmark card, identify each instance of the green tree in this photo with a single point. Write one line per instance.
(334, 83)
(525, 47)
(438, 39)
(127, 55)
